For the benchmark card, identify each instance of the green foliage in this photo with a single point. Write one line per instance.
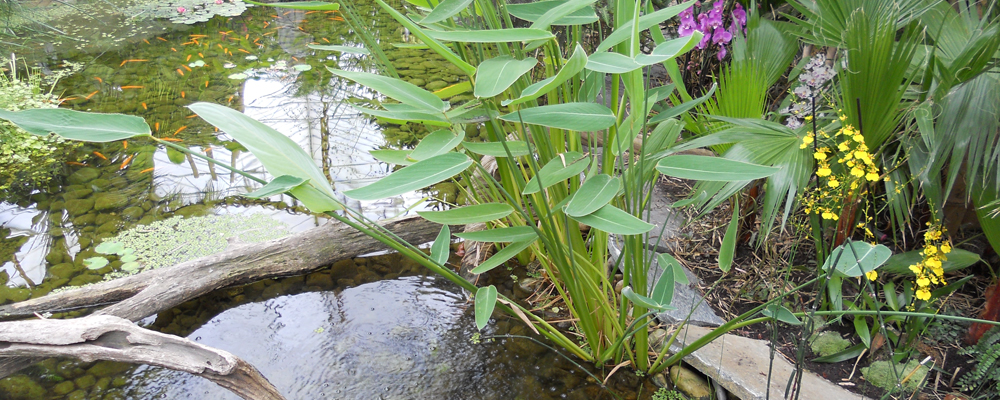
(664, 394)
(892, 376)
(984, 379)
(194, 11)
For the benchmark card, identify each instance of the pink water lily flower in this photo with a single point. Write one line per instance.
(181, 10)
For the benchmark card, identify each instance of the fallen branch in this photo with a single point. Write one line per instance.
(105, 337)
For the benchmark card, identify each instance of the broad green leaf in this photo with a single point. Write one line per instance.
(436, 143)
(647, 21)
(503, 255)
(486, 300)
(471, 113)
(342, 49)
(612, 219)
(670, 264)
(863, 331)
(453, 90)
(110, 248)
(130, 266)
(570, 116)
(496, 149)
(301, 5)
(669, 49)
(405, 92)
(558, 169)
(573, 66)
(595, 193)
(95, 262)
(682, 108)
(957, 259)
(501, 235)
(611, 63)
(445, 10)
(559, 12)
(129, 258)
(78, 125)
(279, 185)
(279, 154)
(398, 157)
(856, 258)
(780, 313)
(663, 290)
(497, 74)
(401, 117)
(690, 200)
(531, 12)
(728, 249)
(706, 168)
(849, 353)
(644, 301)
(417, 176)
(468, 214)
(492, 35)
(441, 248)
(432, 43)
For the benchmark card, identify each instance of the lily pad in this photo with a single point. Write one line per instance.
(95, 262)
(302, 67)
(238, 76)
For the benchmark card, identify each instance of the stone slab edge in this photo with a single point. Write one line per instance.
(740, 365)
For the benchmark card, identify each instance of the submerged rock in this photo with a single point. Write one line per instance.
(83, 175)
(690, 382)
(79, 207)
(20, 387)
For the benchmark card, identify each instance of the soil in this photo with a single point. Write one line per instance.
(786, 260)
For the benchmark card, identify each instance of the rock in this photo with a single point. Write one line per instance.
(133, 213)
(63, 270)
(108, 201)
(20, 387)
(109, 227)
(57, 206)
(660, 380)
(18, 294)
(102, 219)
(85, 219)
(63, 388)
(827, 343)
(320, 280)
(77, 194)
(883, 374)
(436, 85)
(104, 369)
(54, 257)
(84, 279)
(85, 381)
(77, 395)
(83, 175)
(194, 210)
(100, 184)
(690, 382)
(79, 207)
(418, 81)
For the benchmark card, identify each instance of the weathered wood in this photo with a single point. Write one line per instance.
(148, 293)
(105, 337)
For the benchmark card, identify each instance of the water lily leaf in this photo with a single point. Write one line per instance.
(436, 143)
(503, 255)
(570, 116)
(856, 258)
(95, 262)
(238, 76)
(595, 193)
(468, 214)
(413, 177)
(403, 91)
(486, 300)
(301, 5)
(129, 258)
(492, 35)
(444, 10)
(279, 185)
(342, 49)
(611, 63)
(497, 74)
(531, 12)
(706, 168)
(78, 125)
(441, 248)
(279, 154)
(612, 219)
(130, 266)
(558, 169)
(501, 235)
(573, 66)
(110, 248)
(302, 67)
(517, 148)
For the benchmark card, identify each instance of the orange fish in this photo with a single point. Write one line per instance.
(231, 98)
(167, 139)
(191, 116)
(161, 38)
(76, 163)
(266, 23)
(144, 106)
(97, 153)
(187, 43)
(341, 19)
(188, 58)
(157, 126)
(179, 130)
(206, 84)
(128, 61)
(326, 40)
(243, 51)
(99, 79)
(147, 170)
(91, 95)
(187, 67)
(173, 49)
(329, 12)
(312, 12)
(125, 144)
(220, 46)
(182, 96)
(125, 164)
(199, 55)
(197, 36)
(287, 12)
(179, 71)
(144, 40)
(247, 37)
(132, 87)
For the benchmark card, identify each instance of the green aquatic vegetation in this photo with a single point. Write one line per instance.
(189, 11)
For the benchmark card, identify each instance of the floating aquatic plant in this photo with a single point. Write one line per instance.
(189, 11)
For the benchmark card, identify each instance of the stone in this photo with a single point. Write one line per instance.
(827, 343)
(85, 219)
(77, 194)
(63, 270)
(690, 382)
(18, 294)
(106, 369)
(21, 387)
(77, 395)
(83, 175)
(109, 201)
(85, 381)
(435, 85)
(320, 280)
(108, 227)
(63, 388)
(78, 207)
(133, 213)
(741, 365)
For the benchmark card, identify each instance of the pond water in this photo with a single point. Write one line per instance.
(366, 328)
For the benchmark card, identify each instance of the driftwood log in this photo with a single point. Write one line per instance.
(138, 296)
(104, 337)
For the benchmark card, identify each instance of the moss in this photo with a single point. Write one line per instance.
(19, 387)
(887, 375)
(827, 343)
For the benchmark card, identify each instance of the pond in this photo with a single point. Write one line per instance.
(364, 328)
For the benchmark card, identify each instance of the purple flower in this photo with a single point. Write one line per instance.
(722, 52)
(739, 14)
(721, 36)
(688, 23)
